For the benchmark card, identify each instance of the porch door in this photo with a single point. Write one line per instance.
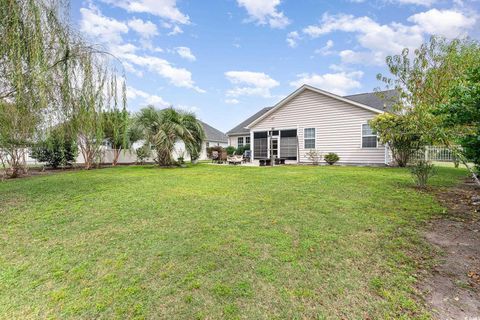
(274, 146)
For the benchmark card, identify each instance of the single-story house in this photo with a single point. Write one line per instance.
(313, 119)
(213, 137)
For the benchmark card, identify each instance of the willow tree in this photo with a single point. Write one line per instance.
(87, 90)
(33, 38)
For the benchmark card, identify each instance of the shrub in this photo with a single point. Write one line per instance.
(230, 150)
(143, 153)
(314, 156)
(219, 149)
(241, 150)
(56, 151)
(331, 158)
(421, 172)
(400, 133)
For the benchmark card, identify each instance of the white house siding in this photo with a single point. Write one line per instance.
(233, 140)
(338, 127)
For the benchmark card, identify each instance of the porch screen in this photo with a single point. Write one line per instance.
(260, 145)
(288, 144)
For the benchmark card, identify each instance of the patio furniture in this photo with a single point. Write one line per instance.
(265, 162)
(279, 161)
(247, 156)
(236, 159)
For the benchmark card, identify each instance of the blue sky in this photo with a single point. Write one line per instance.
(226, 59)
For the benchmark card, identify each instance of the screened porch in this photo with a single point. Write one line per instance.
(276, 144)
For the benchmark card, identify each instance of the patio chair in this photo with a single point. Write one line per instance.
(236, 159)
(247, 155)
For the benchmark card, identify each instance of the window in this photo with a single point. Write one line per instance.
(247, 140)
(369, 137)
(309, 138)
(240, 142)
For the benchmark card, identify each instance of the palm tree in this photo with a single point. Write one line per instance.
(162, 128)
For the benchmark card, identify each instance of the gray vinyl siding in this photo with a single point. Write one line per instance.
(338, 127)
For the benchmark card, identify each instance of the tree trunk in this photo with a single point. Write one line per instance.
(116, 155)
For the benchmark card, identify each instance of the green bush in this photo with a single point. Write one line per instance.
(421, 172)
(241, 150)
(56, 150)
(331, 158)
(230, 150)
(143, 153)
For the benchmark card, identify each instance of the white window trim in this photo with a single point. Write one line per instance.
(314, 138)
(238, 142)
(371, 135)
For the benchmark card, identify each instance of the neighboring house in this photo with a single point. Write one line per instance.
(213, 136)
(313, 119)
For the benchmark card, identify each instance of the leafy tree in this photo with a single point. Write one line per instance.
(397, 131)
(33, 46)
(163, 128)
(87, 98)
(116, 131)
(425, 80)
(463, 114)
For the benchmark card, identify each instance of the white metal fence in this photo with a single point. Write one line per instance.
(430, 153)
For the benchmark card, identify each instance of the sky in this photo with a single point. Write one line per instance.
(227, 59)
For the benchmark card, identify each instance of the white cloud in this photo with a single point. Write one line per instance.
(193, 109)
(185, 53)
(98, 26)
(146, 29)
(426, 3)
(265, 12)
(178, 77)
(165, 9)
(147, 98)
(175, 30)
(292, 39)
(448, 23)
(109, 31)
(232, 101)
(325, 50)
(381, 40)
(249, 83)
(339, 83)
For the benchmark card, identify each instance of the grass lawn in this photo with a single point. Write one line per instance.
(212, 242)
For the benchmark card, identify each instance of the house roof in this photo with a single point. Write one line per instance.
(381, 100)
(242, 127)
(213, 134)
(374, 101)
(320, 91)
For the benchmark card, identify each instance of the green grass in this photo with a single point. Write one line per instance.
(211, 242)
